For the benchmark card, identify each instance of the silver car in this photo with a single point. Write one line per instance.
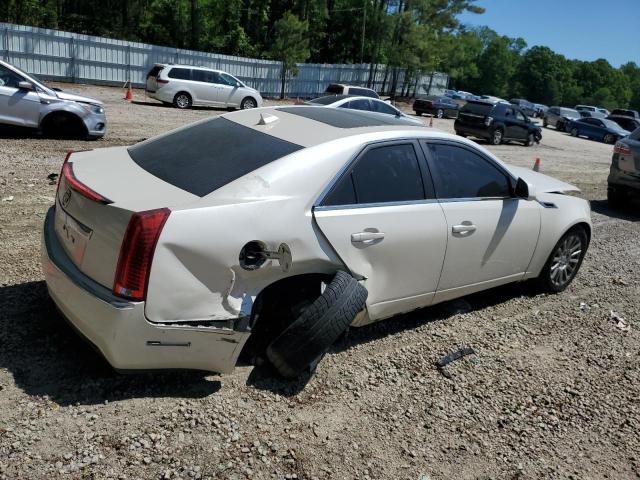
(366, 104)
(27, 102)
(185, 86)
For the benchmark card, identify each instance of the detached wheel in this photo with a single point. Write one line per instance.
(182, 100)
(439, 113)
(307, 339)
(496, 137)
(565, 260)
(248, 103)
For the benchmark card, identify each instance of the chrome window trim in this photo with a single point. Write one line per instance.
(325, 208)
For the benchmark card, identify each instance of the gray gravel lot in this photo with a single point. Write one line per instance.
(552, 392)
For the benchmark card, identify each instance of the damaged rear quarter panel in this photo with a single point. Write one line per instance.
(196, 274)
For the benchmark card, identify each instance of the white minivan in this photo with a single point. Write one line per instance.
(185, 86)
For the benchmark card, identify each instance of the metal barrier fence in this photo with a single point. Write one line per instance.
(72, 57)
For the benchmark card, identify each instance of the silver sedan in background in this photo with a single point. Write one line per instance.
(27, 102)
(366, 104)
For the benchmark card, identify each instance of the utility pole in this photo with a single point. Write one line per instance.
(364, 26)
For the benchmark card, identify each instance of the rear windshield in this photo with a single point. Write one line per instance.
(335, 89)
(363, 92)
(208, 155)
(328, 99)
(154, 71)
(478, 108)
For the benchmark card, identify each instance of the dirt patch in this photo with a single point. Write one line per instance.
(551, 392)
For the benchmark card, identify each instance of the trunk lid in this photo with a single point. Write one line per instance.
(91, 232)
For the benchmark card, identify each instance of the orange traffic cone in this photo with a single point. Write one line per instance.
(536, 166)
(129, 95)
(431, 121)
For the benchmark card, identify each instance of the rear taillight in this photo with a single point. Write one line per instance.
(488, 121)
(136, 253)
(621, 149)
(161, 81)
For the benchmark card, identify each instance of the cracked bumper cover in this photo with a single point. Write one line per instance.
(119, 329)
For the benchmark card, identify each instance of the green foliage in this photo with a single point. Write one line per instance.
(416, 35)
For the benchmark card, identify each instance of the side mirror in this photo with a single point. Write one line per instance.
(525, 190)
(24, 85)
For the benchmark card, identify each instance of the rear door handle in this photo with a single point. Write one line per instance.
(363, 237)
(464, 228)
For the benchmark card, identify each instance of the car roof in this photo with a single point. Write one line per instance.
(307, 125)
(192, 67)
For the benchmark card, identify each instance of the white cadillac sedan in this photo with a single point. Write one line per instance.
(271, 231)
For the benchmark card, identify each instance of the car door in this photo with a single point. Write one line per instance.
(513, 129)
(491, 234)
(18, 106)
(227, 89)
(382, 220)
(521, 124)
(205, 85)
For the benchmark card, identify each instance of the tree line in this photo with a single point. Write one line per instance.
(417, 36)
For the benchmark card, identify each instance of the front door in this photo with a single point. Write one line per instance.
(491, 234)
(514, 124)
(383, 222)
(227, 90)
(19, 107)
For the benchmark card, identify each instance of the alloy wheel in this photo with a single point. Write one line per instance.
(182, 101)
(565, 261)
(248, 103)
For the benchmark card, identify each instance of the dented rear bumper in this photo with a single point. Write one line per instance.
(119, 329)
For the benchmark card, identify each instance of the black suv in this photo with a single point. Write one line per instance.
(496, 122)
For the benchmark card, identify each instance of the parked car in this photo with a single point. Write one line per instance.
(601, 112)
(185, 86)
(597, 129)
(587, 108)
(626, 113)
(624, 173)
(496, 122)
(450, 93)
(438, 106)
(342, 89)
(627, 123)
(462, 95)
(559, 117)
(525, 105)
(492, 99)
(366, 104)
(541, 110)
(27, 102)
(333, 218)
(592, 114)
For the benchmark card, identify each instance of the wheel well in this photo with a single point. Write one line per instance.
(249, 96)
(586, 227)
(74, 119)
(185, 92)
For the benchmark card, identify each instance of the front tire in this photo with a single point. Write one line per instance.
(496, 137)
(531, 139)
(564, 261)
(248, 103)
(574, 132)
(182, 100)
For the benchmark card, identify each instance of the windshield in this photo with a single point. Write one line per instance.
(611, 124)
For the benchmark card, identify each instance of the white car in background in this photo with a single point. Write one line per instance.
(184, 86)
(281, 227)
(366, 104)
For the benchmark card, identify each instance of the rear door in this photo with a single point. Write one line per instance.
(381, 218)
(206, 85)
(152, 78)
(491, 234)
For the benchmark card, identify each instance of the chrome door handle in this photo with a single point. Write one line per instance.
(362, 237)
(464, 228)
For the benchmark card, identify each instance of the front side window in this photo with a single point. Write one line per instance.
(382, 107)
(9, 78)
(180, 73)
(460, 173)
(226, 79)
(520, 117)
(382, 174)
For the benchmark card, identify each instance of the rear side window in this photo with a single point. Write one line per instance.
(382, 107)
(204, 76)
(335, 89)
(155, 71)
(382, 174)
(208, 155)
(363, 92)
(359, 104)
(460, 173)
(477, 108)
(180, 73)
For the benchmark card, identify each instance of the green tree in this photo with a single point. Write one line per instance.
(290, 45)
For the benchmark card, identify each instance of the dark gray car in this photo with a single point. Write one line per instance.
(624, 174)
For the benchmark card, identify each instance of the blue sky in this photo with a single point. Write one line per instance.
(581, 29)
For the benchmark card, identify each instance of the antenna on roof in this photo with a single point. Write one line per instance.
(266, 119)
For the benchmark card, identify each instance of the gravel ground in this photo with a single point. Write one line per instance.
(551, 392)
